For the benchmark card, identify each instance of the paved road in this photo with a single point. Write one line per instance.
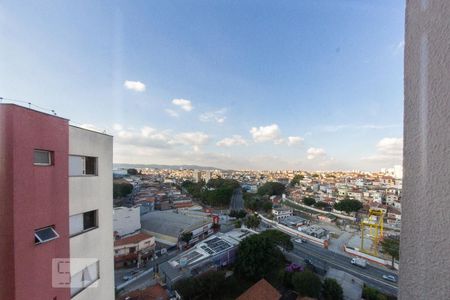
(146, 280)
(323, 258)
(237, 202)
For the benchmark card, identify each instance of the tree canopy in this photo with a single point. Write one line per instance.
(205, 286)
(132, 172)
(278, 238)
(121, 188)
(252, 221)
(348, 205)
(217, 192)
(271, 188)
(332, 290)
(258, 257)
(391, 246)
(296, 179)
(309, 201)
(306, 284)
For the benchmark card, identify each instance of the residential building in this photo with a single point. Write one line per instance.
(280, 213)
(197, 175)
(137, 248)
(56, 186)
(262, 290)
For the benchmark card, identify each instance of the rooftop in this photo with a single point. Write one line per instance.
(262, 290)
(134, 239)
(170, 223)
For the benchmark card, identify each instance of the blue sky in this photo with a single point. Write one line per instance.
(314, 85)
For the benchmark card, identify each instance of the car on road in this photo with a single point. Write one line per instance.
(390, 278)
(131, 275)
(298, 241)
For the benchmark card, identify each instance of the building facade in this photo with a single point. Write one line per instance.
(47, 212)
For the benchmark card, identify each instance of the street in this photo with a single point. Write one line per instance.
(237, 202)
(146, 280)
(323, 258)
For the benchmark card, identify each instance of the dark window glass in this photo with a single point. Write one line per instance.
(91, 165)
(90, 219)
(44, 235)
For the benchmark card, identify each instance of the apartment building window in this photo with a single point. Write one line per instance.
(83, 165)
(42, 157)
(45, 234)
(84, 278)
(83, 222)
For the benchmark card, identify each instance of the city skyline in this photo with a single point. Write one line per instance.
(313, 85)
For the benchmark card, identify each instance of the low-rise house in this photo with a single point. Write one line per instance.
(262, 290)
(282, 212)
(137, 248)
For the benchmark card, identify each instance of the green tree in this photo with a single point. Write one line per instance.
(306, 284)
(252, 221)
(296, 180)
(348, 205)
(271, 188)
(121, 188)
(258, 257)
(321, 204)
(372, 294)
(210, 284)
(278, 238)
(132, 172)
(309, 201)
(391, 246)
(187, 288)
(186, 237)
(332, 290)
(238, 223)
(267, 206)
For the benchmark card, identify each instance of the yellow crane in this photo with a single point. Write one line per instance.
(374, 224)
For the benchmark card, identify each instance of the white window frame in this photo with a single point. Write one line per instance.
(81, 215)
(41, 241)
(49, 154)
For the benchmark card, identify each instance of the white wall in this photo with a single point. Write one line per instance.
(126, 220)
(425, 236)
(89, 193)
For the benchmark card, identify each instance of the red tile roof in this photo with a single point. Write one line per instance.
(262, 290)
(134, 239)
(156, 292)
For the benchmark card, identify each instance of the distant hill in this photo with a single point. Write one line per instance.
(167, 167)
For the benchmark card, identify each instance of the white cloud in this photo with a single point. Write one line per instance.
(190, 138)
(294, 140)
(184, 104)
(235, 140)
(172, 113)
(313, 153)
(136, 86)
(389, 152)
(214, 116)
(266, 133)
(335, 128)
(390, 146)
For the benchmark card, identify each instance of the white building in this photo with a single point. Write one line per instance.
(126, 220)
(90, 211)
(197, 175)
(282, 212)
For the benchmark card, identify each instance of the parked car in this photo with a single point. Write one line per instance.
(390, 278)
(131, 275)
